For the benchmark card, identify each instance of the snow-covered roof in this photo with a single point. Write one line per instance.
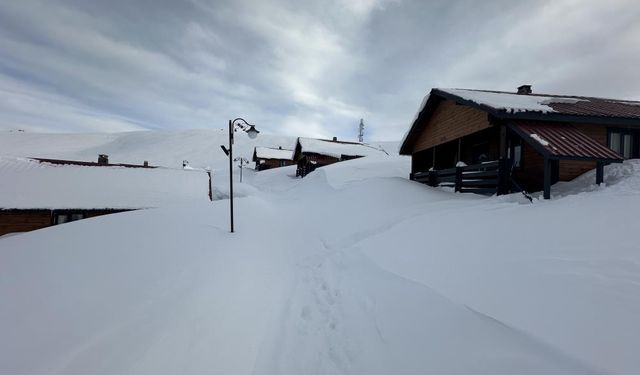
(273, 153)
(30, 184)
(337, 148)
(511, 102)
(511, 105)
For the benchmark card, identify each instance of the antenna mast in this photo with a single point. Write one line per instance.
(361, 131)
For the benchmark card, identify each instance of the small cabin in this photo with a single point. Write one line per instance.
(311, 153)
(37, 193)
(272, 157)
(502, 142)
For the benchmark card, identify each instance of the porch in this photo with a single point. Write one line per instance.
(512, 157)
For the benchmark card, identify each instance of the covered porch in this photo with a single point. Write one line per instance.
(511, 157)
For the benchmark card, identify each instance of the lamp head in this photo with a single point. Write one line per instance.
(252, 132)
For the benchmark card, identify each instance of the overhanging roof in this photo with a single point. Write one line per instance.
(505, 106)
(562, 141)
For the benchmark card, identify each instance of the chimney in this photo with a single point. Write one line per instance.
(145, 164)
(279, 147)
(524, 90)
(335, 139)
(103, 159)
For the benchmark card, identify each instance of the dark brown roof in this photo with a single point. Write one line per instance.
(502, 101)
(562, 141)
(89, 163)
(502, 106)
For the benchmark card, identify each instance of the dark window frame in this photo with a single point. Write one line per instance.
(635, 140)
(69, 214)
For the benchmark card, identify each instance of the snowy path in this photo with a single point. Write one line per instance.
(326, 275)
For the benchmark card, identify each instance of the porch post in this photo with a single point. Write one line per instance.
(433, 159)
(503, 141)
(547, 178)
(599, 172)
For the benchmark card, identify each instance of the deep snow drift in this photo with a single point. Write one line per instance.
(351, 270)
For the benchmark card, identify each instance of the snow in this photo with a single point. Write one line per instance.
(351, 270)
(415, 117)
(273, 153)
(539, 139)
(337, 149)
(29, 184)
(511, 102)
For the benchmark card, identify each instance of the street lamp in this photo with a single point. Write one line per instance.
(251, 131)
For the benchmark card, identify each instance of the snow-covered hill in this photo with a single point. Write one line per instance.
(160, 147)
(351, 270)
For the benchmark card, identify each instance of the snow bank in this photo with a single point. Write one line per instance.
(351, 270)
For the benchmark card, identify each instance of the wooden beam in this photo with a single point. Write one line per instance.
(547, 178)
(503, 142)
(599, 172)
(433, 160)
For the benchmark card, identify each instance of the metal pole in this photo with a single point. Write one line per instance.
(231, 172)
(241, 161)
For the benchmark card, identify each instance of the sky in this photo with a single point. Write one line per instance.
(300, 68)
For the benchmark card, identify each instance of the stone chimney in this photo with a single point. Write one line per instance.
(103, 159)
(524, 90)
(335, 139)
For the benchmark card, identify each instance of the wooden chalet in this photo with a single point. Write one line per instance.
(37, 193)
(501, 142)
(311, 153)
(269, 157)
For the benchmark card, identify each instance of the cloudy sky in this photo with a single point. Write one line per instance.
(309, 68)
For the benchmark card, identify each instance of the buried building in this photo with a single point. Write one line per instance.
(311, 153)
(37, 193)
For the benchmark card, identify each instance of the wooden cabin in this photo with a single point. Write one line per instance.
(501, 142)
(37, 193)
(311, 153)
(270, 157)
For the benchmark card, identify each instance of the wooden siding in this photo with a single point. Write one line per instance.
(318, 158)
(531, 175)
(449, 122)
(15, 220)
(272, 163)
(23, 220)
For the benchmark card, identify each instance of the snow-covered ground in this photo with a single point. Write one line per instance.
(351, 270)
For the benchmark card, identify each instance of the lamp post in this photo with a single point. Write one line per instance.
(251, 131)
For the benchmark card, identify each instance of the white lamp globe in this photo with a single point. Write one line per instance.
(252, 132)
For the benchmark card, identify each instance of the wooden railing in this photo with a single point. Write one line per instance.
(484, 178)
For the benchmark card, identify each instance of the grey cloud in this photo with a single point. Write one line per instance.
(300, 68)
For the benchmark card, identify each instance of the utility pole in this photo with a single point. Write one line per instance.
(361, 131)
(243, 162)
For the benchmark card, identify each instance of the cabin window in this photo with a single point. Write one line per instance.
(517, 156)
(282, 163)
(614, 141)
(624, 142)
(626, 146)
(66, 217)
(75, 217)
